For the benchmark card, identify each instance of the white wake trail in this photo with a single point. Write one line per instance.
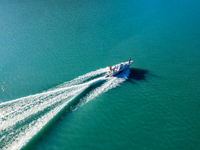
(24, 121)
(23, 118)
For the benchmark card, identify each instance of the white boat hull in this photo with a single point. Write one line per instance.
(119, 68)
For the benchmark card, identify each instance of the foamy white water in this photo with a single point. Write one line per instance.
(23, 118)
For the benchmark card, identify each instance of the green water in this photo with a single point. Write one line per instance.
(47, 45)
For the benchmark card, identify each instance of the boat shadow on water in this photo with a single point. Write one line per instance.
(137, 74)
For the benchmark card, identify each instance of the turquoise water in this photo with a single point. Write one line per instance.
(53, 58)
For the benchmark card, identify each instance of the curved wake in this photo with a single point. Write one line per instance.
(23, 118)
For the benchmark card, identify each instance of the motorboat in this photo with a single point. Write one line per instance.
(114, 70)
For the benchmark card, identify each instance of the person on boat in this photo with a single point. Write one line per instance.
(129, 60)
(110, 68)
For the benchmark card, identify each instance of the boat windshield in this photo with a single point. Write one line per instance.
(121, 66)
